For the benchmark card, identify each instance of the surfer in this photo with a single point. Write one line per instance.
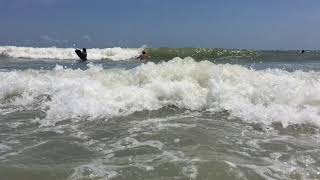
(301, 52)
(82, 55)
(143, 56)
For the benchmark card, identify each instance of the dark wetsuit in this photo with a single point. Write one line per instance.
(82, 55)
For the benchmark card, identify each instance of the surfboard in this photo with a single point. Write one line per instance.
(81, 56)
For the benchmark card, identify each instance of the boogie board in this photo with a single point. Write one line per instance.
(81, 55)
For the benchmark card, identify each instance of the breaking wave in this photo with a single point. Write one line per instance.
(158, 54)
(115, 53)
(266, 96)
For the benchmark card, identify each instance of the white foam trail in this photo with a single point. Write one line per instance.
(253, 96)
(115, 53)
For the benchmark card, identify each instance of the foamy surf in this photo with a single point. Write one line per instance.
(115, 53)
(266, 96)
(179, 119)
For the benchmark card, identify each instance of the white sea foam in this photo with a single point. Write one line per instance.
(115, 53)
(254, 96)
(93, 171)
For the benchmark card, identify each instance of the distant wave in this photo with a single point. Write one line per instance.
(118, 53)
(199, 53)
(157, 54)
(115, 53)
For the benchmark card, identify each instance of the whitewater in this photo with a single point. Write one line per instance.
(115, 53)
(245, 116)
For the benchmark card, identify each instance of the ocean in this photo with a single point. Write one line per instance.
(188, 113)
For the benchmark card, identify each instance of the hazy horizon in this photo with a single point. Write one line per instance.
(257, 25)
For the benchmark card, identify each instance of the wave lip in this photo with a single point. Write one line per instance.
(115, 53)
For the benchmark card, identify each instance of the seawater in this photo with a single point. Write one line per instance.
(241, 117)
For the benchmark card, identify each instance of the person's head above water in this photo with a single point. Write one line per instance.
(84, 50)
(143, 56)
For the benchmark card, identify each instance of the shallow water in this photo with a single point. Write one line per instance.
(180, 119)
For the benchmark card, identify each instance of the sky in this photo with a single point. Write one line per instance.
(245, 24)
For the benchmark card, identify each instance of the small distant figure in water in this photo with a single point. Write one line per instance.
(82, 55)
(301, 52)
(143, 56)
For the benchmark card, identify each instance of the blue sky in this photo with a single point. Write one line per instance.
(253, 24)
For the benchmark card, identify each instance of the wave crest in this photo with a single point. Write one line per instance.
(115, 53)
(254, 96)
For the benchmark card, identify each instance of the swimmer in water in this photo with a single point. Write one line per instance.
(82, 55)
(144, 56)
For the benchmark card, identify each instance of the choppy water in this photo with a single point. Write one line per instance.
(241, 118)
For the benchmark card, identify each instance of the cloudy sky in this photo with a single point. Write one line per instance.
(253, 24)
